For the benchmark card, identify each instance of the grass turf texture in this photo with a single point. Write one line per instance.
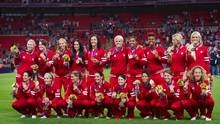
(10, 116)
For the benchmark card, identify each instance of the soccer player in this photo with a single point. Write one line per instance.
(95, 58)
(177, 57)
(155, 58)
(25, 102)
(117, 58)
(61, 61)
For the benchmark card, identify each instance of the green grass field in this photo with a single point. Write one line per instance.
(10, 116)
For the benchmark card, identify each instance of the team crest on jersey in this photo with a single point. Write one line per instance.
(201, 51)
(23, 57)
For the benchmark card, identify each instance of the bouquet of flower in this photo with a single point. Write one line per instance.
(66, 58)
(159, 89)
(72, 97)
(35, 67)
(46, 103)
(14, 89)
(99, 97)
(180, 82)
(14, 49)
(204, 86)
(123, 97)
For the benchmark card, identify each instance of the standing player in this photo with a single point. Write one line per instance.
(135, 59)
(154, 54)
(117, 57)
(61, 62)
(177, 57)
(25, 59)
(198, 53)
(78, 55)
(95, 58)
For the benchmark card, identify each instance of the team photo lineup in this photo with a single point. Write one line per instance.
(161, 83)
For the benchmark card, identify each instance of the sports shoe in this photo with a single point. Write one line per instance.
(23, 116)
(146, 117)
(108, 118)
(203, 117)
(96, 117)
(165, 119)
(155, 118)
(193, 118)
(58, 117)
(208, 119)
(44, 117)
(33, 116)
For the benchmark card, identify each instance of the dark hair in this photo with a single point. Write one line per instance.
(81, 50)
(43, 41)
(100, 73)
(145, 71)
(151, 34)
(77, 74)
(30, 73)
(122, 75)
(98, 42)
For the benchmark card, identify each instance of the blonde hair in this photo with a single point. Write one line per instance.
(197, 34)
(48, 75)
(178, 37)
(203, 71)
(120, 37)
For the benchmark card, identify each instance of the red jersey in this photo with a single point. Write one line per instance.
(76, 65)
(43, 68)
(127, 89)
(145, 90)
(178, 61)
(118, 61)
(154, 64)
(52, 92)
(202, 58)
(82, 90)
(25, 93)
(104, 88)
(25, 60)
(95, 67)
(173, 92)
(135, 56)
(60, 68)
(197, 87)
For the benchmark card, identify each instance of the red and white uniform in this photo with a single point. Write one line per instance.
(118, 64)
(92, 67)
(82, 94)
(187, 102)
(154, 65)
(78, 66)
(202, 58)
(119, 111)
(25, 60)
(25, 102)
(144, 97)
(135, 65)
(205, 102)
(43, 67)
(178, 62)
(106, 89)
(159, 104)
(61, 71)
(174, 103)
(55, 98)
